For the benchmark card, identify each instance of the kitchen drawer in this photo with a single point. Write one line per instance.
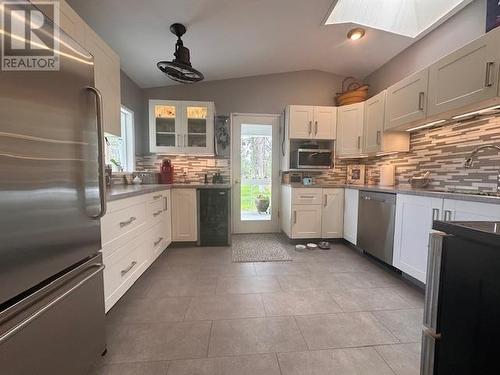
(307, 196)
(123, 267)
(156, 210)
(122, 221)
(157, 240)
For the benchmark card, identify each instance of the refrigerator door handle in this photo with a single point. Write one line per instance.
(100, 157)
(433, 281)
(427, 354)
(48, 306)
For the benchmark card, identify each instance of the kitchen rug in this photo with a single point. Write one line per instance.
(258, 248)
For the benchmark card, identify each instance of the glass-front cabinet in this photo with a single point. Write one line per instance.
(181, 127)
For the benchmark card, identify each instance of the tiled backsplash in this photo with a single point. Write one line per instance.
(441, 150)
(195, 166)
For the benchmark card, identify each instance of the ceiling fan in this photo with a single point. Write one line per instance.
(180, 69)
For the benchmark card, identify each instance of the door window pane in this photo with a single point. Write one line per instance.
(256, 172)
(197, 126)
(165, 125)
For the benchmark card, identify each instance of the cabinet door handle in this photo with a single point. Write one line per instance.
(127, 222)
(421, 97)
(315, 127)
(435, 214)
(379, 133)
(488, 80)
(178, 140)
(158, 242)
(166, 204)
(185, 140)
(325, 200)
(359, 142)
(127, 270)
(157, 213)
(310, 127)
(295, 217)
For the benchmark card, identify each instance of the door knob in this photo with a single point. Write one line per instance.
(236, 181)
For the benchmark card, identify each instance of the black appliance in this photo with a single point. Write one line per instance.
(214, 219)
(461, 334)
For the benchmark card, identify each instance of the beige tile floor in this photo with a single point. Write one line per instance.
(194, 312)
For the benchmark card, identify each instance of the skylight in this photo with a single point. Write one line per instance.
(411, 18)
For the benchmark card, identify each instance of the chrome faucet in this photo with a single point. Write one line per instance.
(469, 161)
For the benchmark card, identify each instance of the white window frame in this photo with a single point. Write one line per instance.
(128, 131)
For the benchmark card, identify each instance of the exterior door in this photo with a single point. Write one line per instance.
(255, 173)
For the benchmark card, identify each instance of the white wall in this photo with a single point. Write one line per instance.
(464, 27)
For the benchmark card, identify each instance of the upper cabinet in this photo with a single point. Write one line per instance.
(376, 140)
(466, 76)
(311, 122)
(106, 65)
(350, 124)
(407, 101)
(107, 79)
(180, 127)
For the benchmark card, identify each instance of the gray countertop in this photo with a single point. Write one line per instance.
(126, 191)
(407, 189)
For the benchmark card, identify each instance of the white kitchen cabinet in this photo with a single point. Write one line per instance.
(376, 141)
(351, 204)
(300, 121)
(456, 210)
(107, 79)
(311, 122)
(332, 215)
(306, 221)
(71, 23)
(134, 232)
(181, 127)
(466, 76)
(184, 215)
(350, 124)
(413, 225)
(406, 102)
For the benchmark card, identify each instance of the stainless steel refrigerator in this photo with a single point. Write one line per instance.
(51, 200)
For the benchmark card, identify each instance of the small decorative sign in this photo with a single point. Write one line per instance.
(492, 14)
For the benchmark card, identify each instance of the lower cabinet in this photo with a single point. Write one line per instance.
(351, 204)
(312, 212)
(414, 218)
(184, 215)
(134, 232)
(413, 225)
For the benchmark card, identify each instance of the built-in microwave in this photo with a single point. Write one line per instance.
(308, 158)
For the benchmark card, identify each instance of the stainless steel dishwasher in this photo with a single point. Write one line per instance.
(376, 224)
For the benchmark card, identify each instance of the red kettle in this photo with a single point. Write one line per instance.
(166, 172)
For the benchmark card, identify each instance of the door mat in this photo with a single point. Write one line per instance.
(258, 248)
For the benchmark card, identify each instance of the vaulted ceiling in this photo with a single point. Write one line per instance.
(236, 38)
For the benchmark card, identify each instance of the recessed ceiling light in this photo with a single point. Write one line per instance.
(356, 33)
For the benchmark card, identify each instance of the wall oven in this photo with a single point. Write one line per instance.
(308, 158)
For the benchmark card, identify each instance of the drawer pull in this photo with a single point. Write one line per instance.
(157, 213)
(128, 222)
(157, 197)
(127, 270)
(158, 242)
(307, 197)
